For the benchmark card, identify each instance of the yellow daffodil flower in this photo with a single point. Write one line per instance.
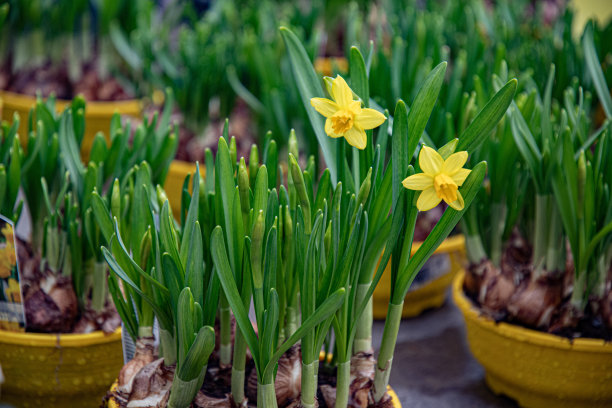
(345, 116)
(440, 179)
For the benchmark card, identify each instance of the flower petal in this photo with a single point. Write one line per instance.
(329, 129)
(430, 161)
(419, 181)
(356, 137)
(369, 118)
(324, 106)
(460, 176)
(428, 199)
(341, 92)
(355, 107)
(455, 161)
(458, 204)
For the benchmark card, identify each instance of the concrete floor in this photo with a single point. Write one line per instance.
(433, 367)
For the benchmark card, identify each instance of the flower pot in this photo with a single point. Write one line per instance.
(430, 293)
(174, 182)
(326, 65)
(58, 370)
(97, 116)
(537, 369)
(112, 403)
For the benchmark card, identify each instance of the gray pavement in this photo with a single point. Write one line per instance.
(433, 367)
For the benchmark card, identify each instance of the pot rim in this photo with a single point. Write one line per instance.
(94, 108)
(59, 339)
(519, 333)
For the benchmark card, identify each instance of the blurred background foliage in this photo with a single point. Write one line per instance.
(226, 58)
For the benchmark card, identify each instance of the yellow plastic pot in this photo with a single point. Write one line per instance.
(58, 370)
(174, 182)
(326, 65)
(450, 255)
(97, 115)
(537, 369)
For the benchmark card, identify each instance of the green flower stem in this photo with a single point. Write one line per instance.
(363, 334)
(474, 248)
(167, 347)
(578, 294)
(555, 253)
(225, 335)
(310, 362)
(540, 244)
(238, 367)
(145, 332)
(266, 396)
(499, 212)
(602, 272)
(292, 321)
(309, 384)
(387, 348)
(343, 384)
(146, 319)
(98, 296)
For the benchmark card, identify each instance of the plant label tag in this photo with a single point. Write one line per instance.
(12, 312)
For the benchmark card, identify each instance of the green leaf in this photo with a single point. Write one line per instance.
(192, 217)
(421, 108)
(400, 158)
(230, 289)
(309, 86)
(194, 268)
(327, 308)
(114, 266)
(479, 129)
(599, 81)
(199, 352)
(184, 324)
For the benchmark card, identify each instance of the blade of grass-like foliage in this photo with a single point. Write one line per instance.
(487, 118)
(101, 212)
(327, 308)
(192, 216)
(360, 85)
(309, 86)
(70, 150)
(243, 92)
(526, 144)
(198, 354)
(421, 108)
(597, 76)
(184, 324)
(161, 313)
(400, 157)
(224, 271)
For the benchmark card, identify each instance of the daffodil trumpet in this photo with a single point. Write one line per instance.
(440, 179)
(345, 116)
